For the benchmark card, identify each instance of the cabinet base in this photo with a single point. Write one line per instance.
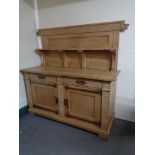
(31, 112)
(103, 136)
(73, 122)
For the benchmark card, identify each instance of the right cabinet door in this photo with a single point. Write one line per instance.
(84, 105)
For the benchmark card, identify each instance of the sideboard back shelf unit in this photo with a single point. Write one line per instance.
(76, 81)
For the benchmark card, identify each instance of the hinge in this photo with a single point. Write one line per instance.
(56, 100)
(66, 102)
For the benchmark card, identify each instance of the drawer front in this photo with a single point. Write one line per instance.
(82, 83)
(44, 79)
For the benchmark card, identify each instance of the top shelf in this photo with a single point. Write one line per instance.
(85, 28)
(90, 46)
(93, 37)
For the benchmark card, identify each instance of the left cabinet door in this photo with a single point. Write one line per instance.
(44, 97)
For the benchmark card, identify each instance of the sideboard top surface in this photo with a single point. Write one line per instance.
(77, 73)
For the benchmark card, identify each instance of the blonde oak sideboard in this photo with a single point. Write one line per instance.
(76, 81)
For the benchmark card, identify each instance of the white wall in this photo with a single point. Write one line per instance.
(27, 43)
(71, 12)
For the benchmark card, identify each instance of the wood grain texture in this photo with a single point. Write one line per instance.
(84, 105)
(44, 96)
(83, 37)
(43, 79)
(76, 83)
(98, 60)
(105, 110)
(61, 96)
(80, 73)
(82, 83)
(82, 59)
(28, 90)
(99, 27)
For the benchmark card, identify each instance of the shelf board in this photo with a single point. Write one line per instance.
(77, 50)
(77, 73)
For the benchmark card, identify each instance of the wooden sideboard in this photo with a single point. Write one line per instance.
(76, 81)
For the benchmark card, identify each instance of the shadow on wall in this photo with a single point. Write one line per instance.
(29, 3)
(50, 3)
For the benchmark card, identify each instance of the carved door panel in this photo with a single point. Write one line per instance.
(44, 97)
(84, 105)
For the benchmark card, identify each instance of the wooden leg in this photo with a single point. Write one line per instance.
(31, 112)
(103, 136)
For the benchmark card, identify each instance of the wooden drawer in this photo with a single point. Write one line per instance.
(82, 83)
(44, 79)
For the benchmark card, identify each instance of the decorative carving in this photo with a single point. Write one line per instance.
(105, 110)
(28, 90)
(106, 86)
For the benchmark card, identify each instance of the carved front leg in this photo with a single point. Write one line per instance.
(105, 110)
(60, 96)
(28, 91)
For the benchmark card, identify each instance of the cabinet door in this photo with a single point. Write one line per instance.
(84, 105)
(44, 96)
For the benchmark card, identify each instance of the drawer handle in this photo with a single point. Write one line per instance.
(41, 76)
(80, 82)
